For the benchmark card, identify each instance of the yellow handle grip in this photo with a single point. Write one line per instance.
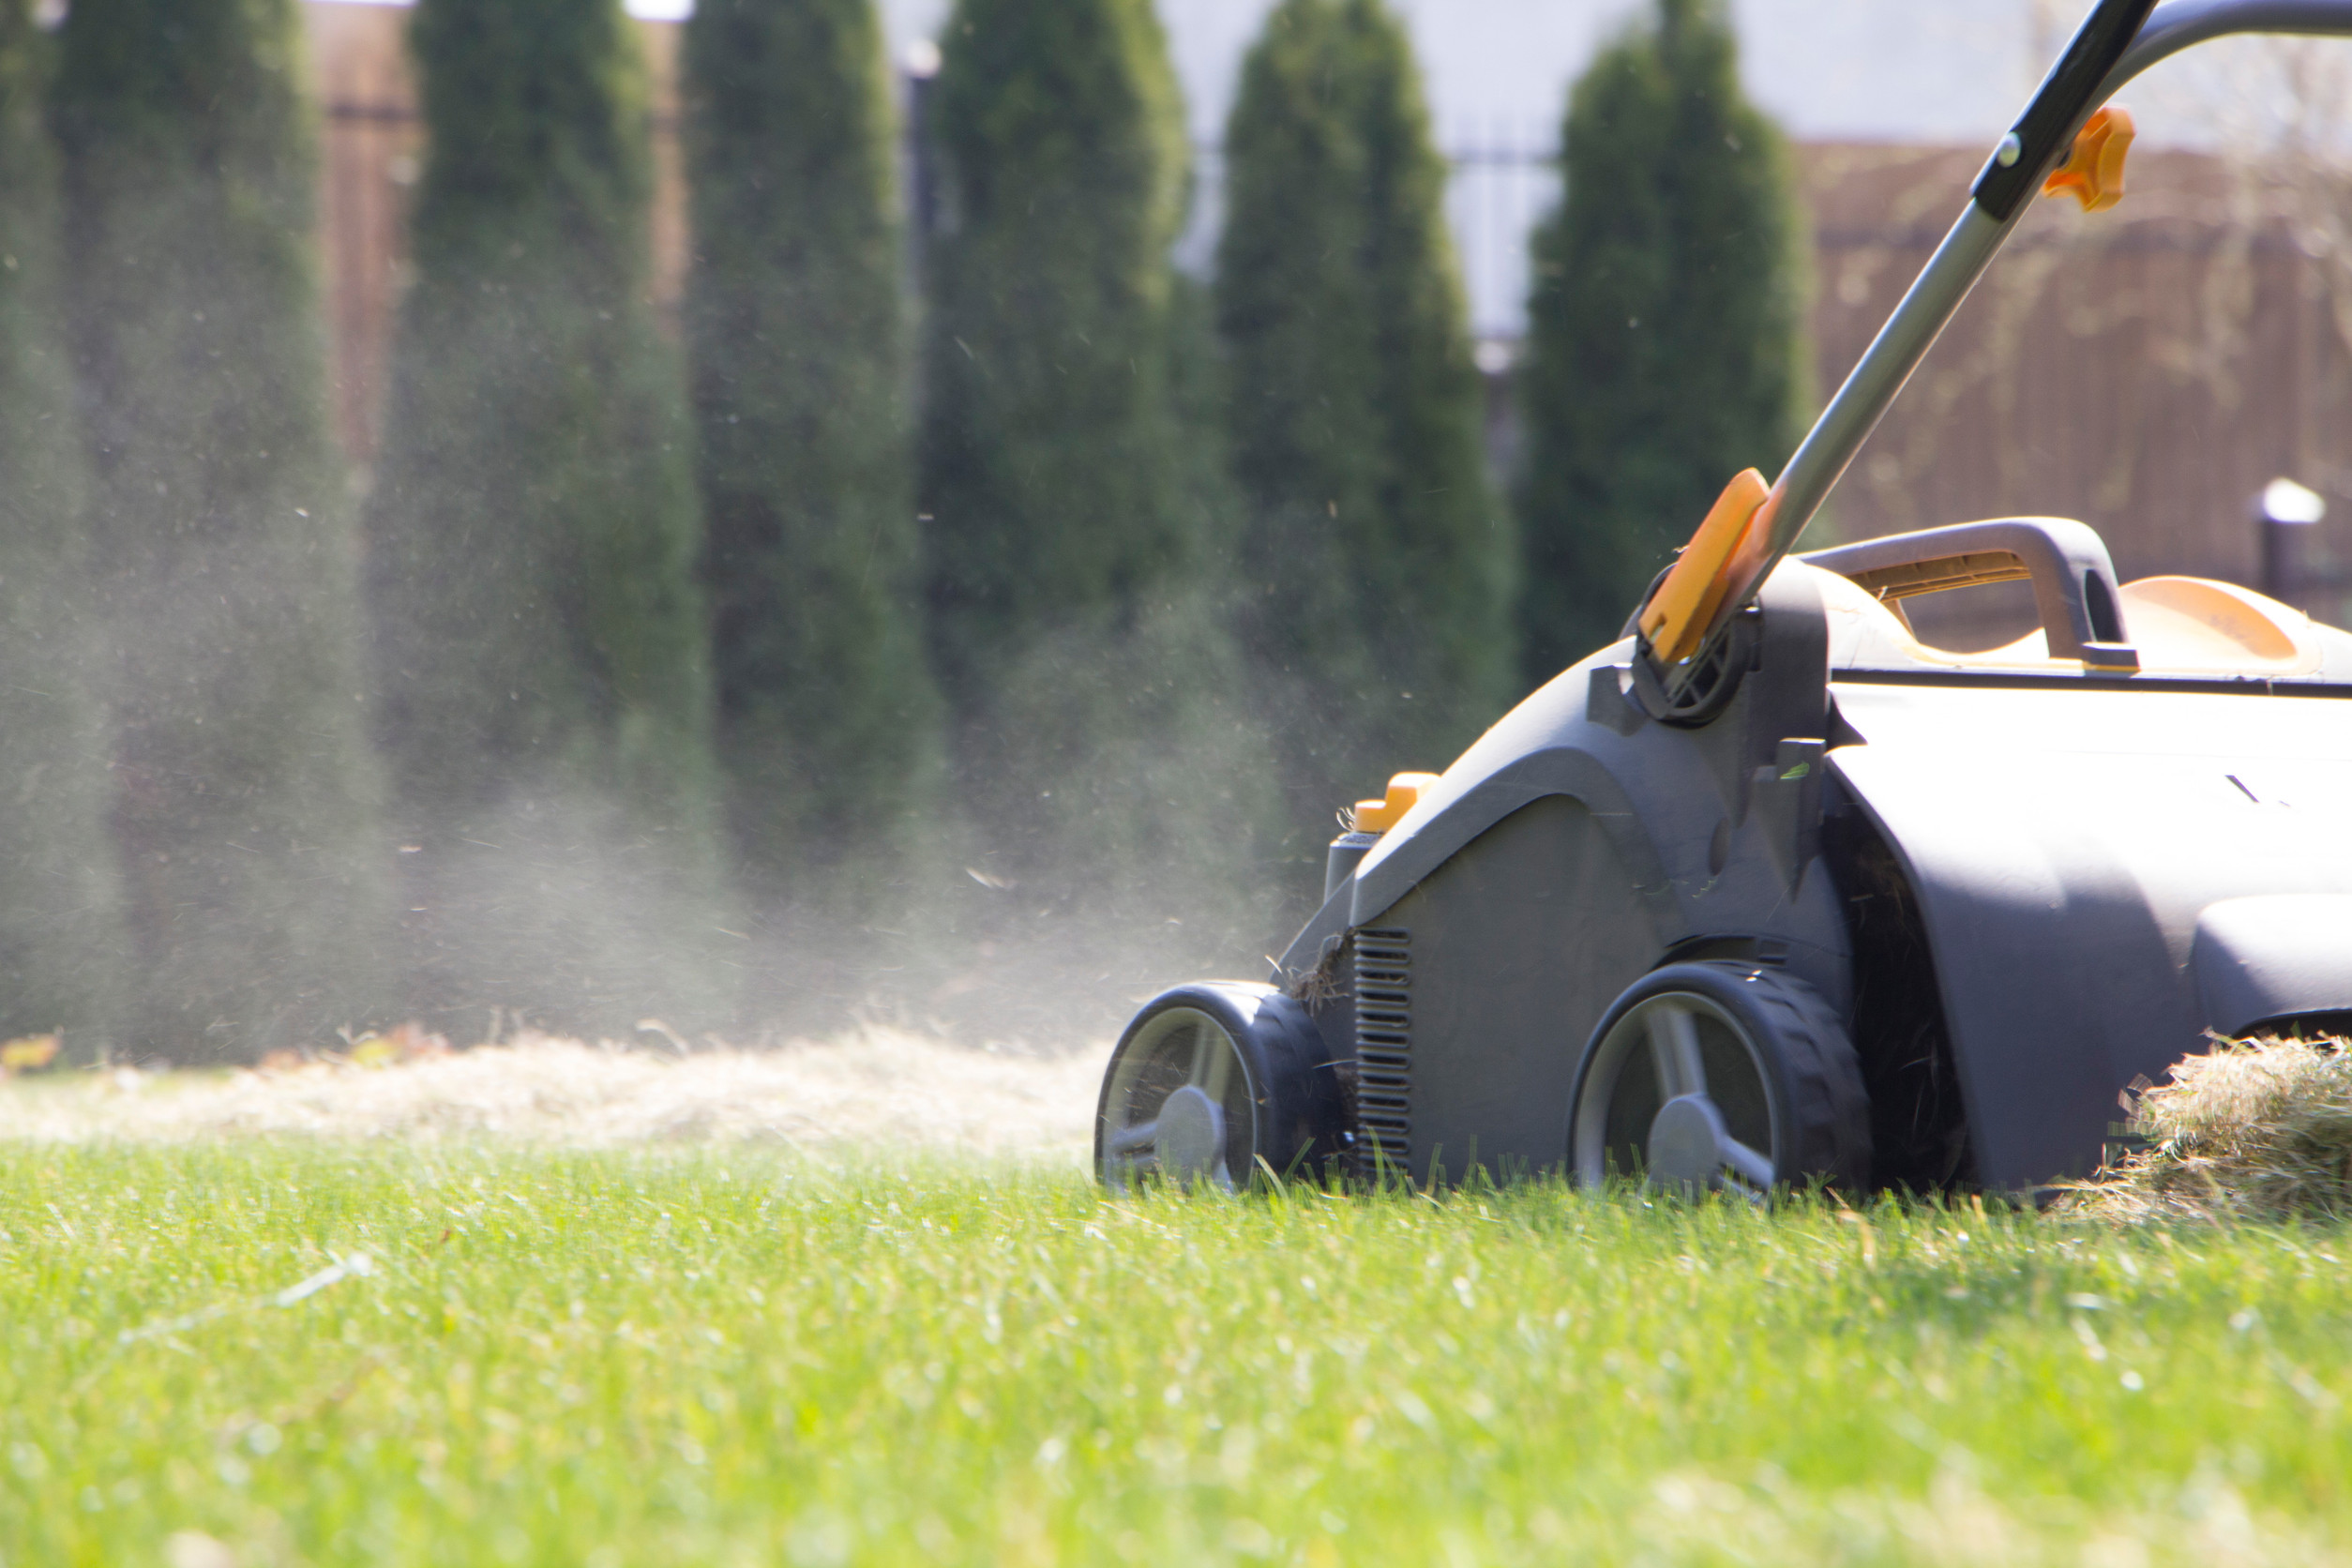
(1677, 615)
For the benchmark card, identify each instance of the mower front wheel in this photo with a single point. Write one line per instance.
(1209, 1080)
(1725, 1075)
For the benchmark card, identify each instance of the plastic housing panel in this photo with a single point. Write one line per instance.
(2261, 959)
(2063, 846)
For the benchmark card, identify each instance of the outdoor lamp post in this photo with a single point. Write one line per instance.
(2282, 510)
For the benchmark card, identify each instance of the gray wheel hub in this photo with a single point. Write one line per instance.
(1689, 1144)
(1191, 1134)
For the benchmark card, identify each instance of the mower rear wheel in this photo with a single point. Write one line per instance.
(1209, 1080)
(1725, 1075)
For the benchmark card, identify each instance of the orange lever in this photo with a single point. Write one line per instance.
(2094, 171)
(1677, 614)
(1403, 794)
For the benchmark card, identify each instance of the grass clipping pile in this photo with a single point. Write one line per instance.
(2255, 1129)
(879, 1089)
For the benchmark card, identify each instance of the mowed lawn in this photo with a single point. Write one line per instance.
(271, 1354)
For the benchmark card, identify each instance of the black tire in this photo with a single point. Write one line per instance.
(1277, 1099)
(1724, 1074)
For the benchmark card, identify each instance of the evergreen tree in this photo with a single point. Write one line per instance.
(796, 323)
(1380, 561)
(1666, 332)
(245, 802)
(1050, 442)
(1076, 583)
(60, 939)
(532, 538)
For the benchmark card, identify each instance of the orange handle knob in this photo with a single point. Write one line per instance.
(2094, 171)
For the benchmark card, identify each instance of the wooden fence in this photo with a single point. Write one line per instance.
(2146, 370)
(372, 153)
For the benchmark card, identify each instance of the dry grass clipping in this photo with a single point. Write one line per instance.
(2254, 1129)
(879, 1090)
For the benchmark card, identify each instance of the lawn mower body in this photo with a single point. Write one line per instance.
(2022, 885)
(1773, 892)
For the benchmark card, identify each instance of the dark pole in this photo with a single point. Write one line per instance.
(2283, 509)
(2276, 546)
(922, 74)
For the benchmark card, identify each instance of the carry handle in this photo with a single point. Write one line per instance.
(2073, 580)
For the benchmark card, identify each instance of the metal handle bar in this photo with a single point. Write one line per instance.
(2121, 38)
(2185, 24)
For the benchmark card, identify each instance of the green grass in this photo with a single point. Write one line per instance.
(745, 1358)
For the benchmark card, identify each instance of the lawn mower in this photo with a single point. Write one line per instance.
(1773, 892)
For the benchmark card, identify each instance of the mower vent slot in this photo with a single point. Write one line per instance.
(1383, 981)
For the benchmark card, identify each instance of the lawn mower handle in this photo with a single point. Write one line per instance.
(2074, 589)
(2120, 40)
(2184, 24)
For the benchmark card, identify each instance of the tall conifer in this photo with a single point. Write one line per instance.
(245, 802)
(60, 941)
(796, 321)
(1379, 559)
(532, 538)
(1665, 336)
(1050, 440)
(1075, 578)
